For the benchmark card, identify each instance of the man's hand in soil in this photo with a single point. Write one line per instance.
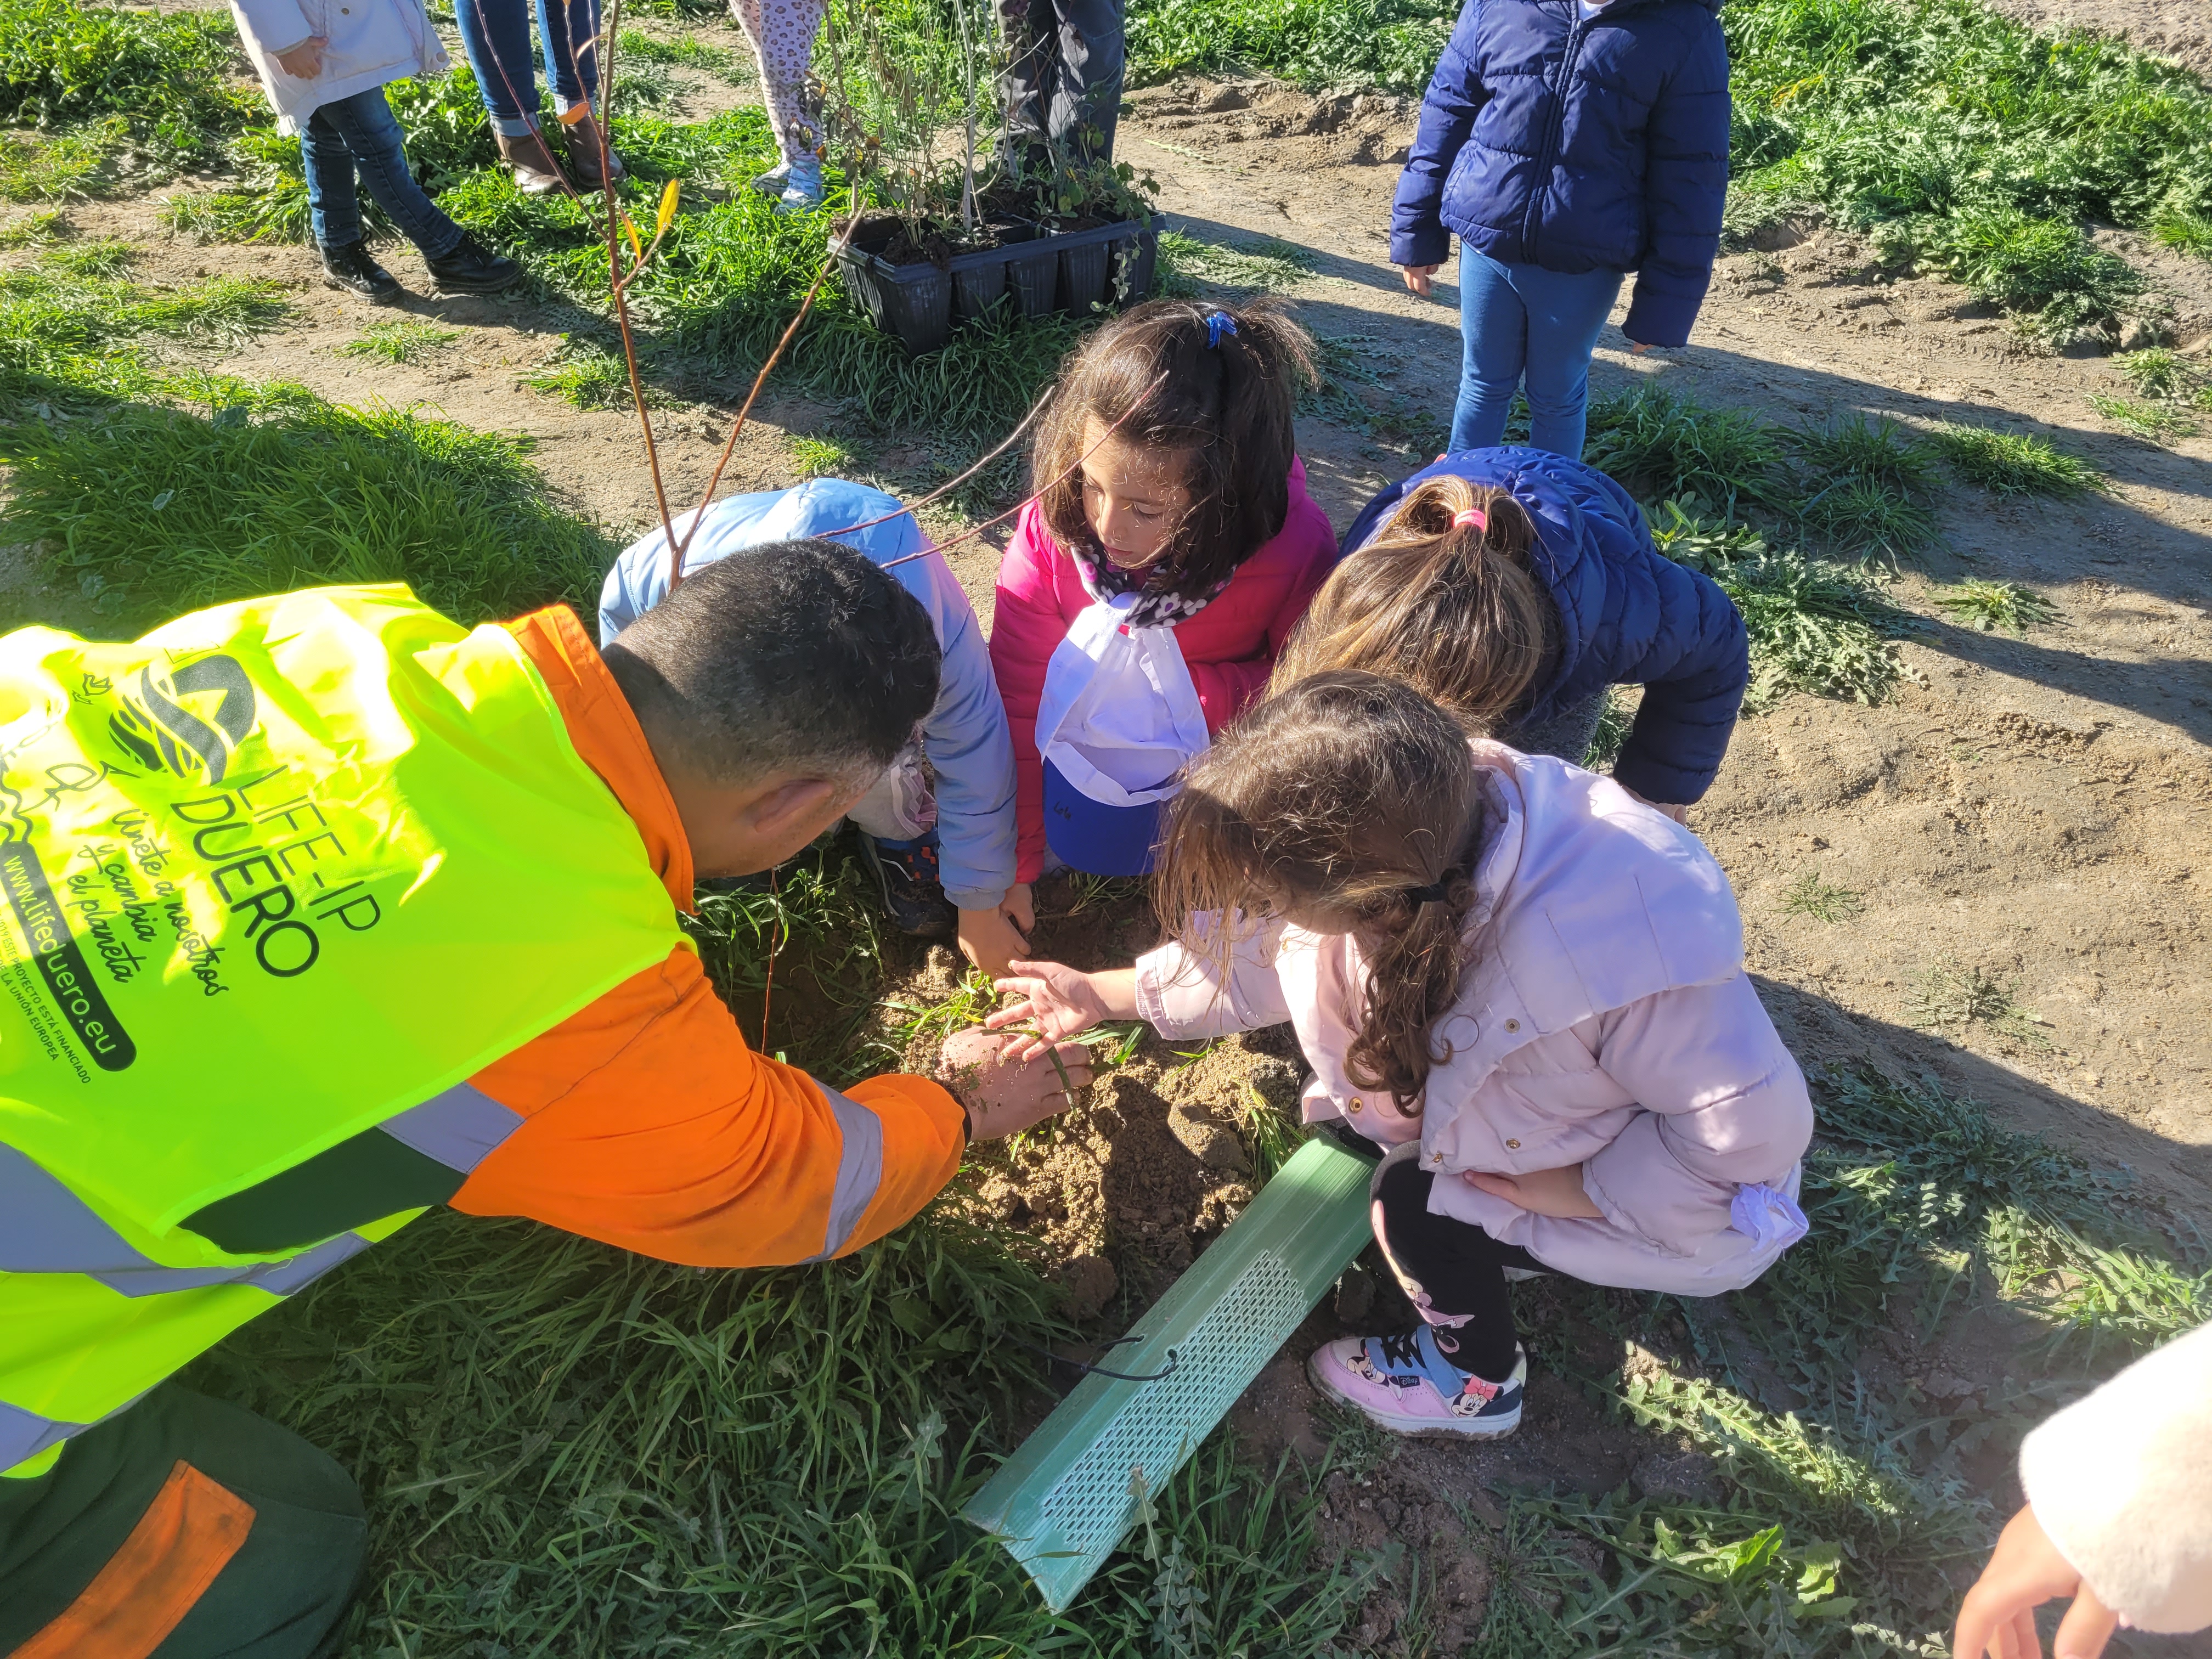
(303, 62)
(1056, 1002)
(991, 939)
(1540, 1192)
(1005, 1096)
(1417, 278)
(1998, 1615)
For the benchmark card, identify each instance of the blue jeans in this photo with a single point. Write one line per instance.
(360, 132)
(496, 35)
(1524, 320)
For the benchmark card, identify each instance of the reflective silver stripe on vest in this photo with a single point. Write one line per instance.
(459, 1129)
(44, 1228)
(26, 1434)
(860, 1168)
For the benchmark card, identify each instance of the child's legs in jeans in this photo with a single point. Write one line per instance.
(360, 133)
(782, 36)
(1453, 1272)
(902, 804)
(1522, 320)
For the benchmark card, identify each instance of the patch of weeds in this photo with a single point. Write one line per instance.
(968, 1003)
(589, 373)
(2186, 233)
(1882, 451)
(1864, 517)
(1270, 1134)
(1315, 43)
(110, 257)
(99, 76)
(2015, 462)
(407, 340)
(2049, 271)
(1823, 901)
(35, 230)
(2159, 372)
(1353, 389)
(682, 52)
(271, 204)
(56, 167)
(820, 458)
(1813, 626)
(1987, 605)
(1946, 997)
(1266, 265)
(2152, 420)
(1661, 446)
(154, 510)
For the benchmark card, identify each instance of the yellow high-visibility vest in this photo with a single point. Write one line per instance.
(276, 874)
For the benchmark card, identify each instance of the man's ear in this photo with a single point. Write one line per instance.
(790, 806)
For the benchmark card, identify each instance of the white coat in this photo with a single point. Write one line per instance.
(371, 42)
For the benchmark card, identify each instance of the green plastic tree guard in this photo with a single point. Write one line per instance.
(1063, 1502)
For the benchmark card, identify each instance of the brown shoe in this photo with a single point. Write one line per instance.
(531, 160)
(584, 155)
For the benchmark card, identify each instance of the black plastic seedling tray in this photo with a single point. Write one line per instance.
(1043, 271)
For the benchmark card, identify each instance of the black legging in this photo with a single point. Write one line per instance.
(1457, 1266)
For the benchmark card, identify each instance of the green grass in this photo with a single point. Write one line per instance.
(1266, 265)
(1823, 901)
(408, 340)
(2186, 233)
(2015, 462)
(1987, 605)
(1947, 997)
(58, 167)
(2155, 421)
(682, 52)
(1662, 446)
(819, 457)
(154, 509)
(2159, 372)
(38, 229)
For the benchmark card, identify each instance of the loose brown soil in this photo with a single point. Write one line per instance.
(2033, 809)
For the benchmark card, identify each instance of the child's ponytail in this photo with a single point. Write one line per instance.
(1218, 387)
(1443, 597)
(1349, 803)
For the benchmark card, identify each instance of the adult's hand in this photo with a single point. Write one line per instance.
(1417, 278)
(305, 61)
(1005, 1096)
(1540, 1192)
(1998, 1615)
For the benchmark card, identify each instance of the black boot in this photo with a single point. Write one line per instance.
(351, 268)
(473, 269)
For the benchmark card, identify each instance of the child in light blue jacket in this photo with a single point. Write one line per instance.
(939, 826)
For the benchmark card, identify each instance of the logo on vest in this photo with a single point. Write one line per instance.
(166, 736)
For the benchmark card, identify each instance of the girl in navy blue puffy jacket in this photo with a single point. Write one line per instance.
(1512, 586)
(1566, 142)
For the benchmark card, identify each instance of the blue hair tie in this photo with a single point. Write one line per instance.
(1217, 324)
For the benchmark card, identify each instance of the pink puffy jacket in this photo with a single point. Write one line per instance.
(1229, 647)
(1606, 1020)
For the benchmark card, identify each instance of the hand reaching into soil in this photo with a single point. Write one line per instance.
(1998, 1615)
(1056, 1002)
(1005, 1096)
(1540, 1192)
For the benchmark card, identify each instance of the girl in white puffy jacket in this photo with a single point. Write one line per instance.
(324, 64)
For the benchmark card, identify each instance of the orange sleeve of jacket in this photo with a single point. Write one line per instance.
(649, 1123)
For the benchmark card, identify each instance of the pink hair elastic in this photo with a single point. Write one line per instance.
(1471, 519)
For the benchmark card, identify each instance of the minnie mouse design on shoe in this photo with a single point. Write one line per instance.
(1406, 1384)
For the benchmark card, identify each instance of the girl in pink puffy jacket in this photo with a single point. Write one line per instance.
(1171, 548)
(1524, 982)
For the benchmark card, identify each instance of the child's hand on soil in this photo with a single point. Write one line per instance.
(303, 62)
(1005, 1096)
(990, 940)
(1998, 1615)
(1054, 1001)
(1540, 1192)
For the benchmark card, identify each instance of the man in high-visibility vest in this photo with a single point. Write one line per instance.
(317, 910)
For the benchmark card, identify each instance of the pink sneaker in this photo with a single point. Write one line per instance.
(1405, 1384)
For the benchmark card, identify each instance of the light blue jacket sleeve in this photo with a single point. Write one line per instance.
(966, 733)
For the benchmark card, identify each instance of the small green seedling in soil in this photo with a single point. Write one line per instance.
(2015, 462)
(818, 458)
(1948, 998)
(2143, 419)
(1986, 607)
(404, 342)
(2158, 372)
(1823, 901)
(1270, 1133)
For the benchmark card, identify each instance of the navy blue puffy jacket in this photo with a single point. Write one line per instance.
(1569, 142)
(1628, 615)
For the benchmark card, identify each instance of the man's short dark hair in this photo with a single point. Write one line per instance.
(795, 657)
